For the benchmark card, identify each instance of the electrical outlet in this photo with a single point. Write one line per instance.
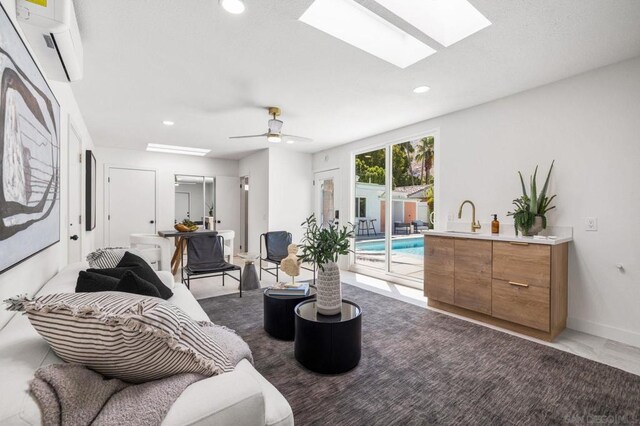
(591, 224)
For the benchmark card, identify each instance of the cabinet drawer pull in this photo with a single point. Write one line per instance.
(518, 284)
(516, 243)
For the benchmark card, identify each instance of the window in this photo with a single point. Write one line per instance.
(361, 207)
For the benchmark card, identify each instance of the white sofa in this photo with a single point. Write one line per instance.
(242, 397)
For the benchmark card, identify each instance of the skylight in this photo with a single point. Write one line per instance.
(173, 149)
(354, 24)
(445, 21)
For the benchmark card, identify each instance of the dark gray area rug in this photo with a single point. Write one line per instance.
(422, 367)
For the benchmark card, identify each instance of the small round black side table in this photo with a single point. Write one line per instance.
(328, 344)
(279, 318)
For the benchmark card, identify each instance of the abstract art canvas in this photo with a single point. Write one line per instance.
(29, 153)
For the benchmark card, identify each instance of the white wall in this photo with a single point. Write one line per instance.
(30, 275)
(290, 190)
(280, 192)
(256, 166)
(371, 192)
(590, 124)
(167, 166)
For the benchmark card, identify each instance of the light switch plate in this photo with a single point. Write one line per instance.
(591, 224)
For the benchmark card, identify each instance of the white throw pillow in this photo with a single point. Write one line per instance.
(130, 337)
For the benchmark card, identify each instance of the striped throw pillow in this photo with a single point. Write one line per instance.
(130, 337)
(107, 257)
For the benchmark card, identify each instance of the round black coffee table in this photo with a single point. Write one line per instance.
(328, 344)
(279, 318)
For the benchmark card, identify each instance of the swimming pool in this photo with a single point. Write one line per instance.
(411, 246)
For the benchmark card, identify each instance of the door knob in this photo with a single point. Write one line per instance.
(152, 221)
(74, 237)
(217, 221)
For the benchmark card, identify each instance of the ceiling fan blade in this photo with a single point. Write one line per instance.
(296, 138)
(248, 136)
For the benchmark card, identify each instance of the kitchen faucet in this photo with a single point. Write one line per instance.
(474, 225)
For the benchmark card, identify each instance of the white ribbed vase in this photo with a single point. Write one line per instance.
(329, 290)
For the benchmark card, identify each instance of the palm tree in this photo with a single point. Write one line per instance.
(409, 151)
(425, 154)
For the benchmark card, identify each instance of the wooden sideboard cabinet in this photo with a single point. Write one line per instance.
(515, 285)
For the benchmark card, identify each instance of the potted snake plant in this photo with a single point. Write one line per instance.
(321, 245)
(529, 216)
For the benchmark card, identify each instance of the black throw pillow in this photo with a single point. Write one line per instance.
(144, 271)
(131, 283)
(90, 282)
(137, 265)
(119, 272)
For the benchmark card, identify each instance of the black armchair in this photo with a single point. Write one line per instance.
(275, 244)
(205, 258)
(403, 227)
(419, 225)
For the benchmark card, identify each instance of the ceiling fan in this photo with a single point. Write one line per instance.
(274, 133)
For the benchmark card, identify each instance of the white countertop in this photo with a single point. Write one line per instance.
(563, 235)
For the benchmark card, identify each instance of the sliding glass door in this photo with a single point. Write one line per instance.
(393, 203)
(370, 209)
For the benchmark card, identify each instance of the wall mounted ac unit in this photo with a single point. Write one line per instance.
(52, 31)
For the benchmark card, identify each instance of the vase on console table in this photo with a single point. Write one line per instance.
(329, 289)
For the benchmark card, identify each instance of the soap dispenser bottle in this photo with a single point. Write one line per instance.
(495, 225)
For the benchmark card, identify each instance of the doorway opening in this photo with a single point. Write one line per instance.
(327, 186)
(75, 191)
(244, 213)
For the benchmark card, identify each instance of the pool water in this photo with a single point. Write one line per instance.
(411, 246)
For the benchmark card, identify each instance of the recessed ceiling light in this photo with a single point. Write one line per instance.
(173, 149)
(290, 141)
(445, 21)
(355, 24)
(421, 89)
(235, 7)
(168, 123)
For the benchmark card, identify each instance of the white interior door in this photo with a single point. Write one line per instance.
(131, 206)
(327, 190)
(183, 206)
(74, 219)
(227, 212)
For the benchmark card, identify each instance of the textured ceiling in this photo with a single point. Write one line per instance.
(212, 72)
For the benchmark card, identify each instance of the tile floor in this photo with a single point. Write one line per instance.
(615, 354)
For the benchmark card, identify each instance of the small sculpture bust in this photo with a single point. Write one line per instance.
(290, 265)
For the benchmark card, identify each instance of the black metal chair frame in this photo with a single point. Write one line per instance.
(418, 225)
(368, 226)
(401, 225)
(213, 273)
(263, 243)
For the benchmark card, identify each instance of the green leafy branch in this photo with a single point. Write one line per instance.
(321, 245)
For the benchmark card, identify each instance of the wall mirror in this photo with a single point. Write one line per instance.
(195, 199)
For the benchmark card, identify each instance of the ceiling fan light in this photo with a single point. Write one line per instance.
(235, 7)
(274, 138)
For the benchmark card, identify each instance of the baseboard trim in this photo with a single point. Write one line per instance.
(605, 331)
